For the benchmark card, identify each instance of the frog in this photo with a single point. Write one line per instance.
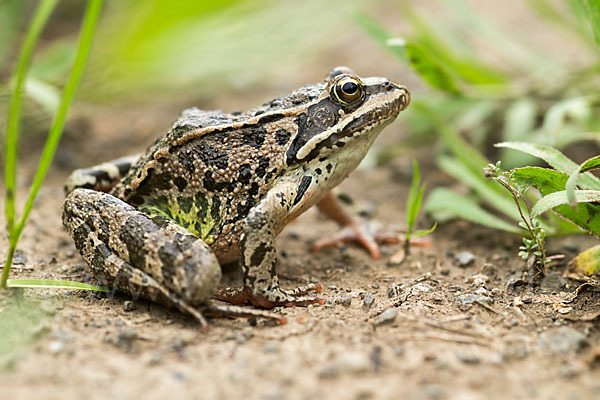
(218, 188)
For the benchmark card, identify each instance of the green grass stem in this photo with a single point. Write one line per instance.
(88, 28)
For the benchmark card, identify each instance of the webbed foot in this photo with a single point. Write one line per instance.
(273, 297)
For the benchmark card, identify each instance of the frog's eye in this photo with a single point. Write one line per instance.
(348, 91)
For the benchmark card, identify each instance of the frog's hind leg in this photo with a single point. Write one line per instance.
(101, 177)
(151, 258)
(227, 310)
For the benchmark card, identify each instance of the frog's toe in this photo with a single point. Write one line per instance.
(273, 298)
(356, 232)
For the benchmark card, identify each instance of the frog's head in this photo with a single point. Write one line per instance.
(342, 123)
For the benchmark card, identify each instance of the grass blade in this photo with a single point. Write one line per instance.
(415, 196)
(442, 200)
(90, 20)
(53, 284)
(484, 188)
(592, 8)
(18, 79)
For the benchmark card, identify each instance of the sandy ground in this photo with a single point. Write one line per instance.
(427, 328)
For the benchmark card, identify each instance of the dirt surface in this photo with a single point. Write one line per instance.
(427, 328)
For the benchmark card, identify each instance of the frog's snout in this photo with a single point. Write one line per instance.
(405, 98)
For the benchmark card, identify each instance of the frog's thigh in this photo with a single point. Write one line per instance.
(105, 228)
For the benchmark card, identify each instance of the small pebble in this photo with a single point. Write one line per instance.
(481, 292)
(433, 391)
(128, 305)
(468, 358)
(388, 316)
(562, 340)
(57, 346)
(19, 259)
(421, 288)
(374, 285)
(369, 300)
(399, 350)
(472, 298)
(126, 339)
(346, 301)
(464, 259)
(488, 269)
(271, 347)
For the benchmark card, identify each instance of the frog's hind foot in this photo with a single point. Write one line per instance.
(228, 310)
(102, 177)
(272, 298)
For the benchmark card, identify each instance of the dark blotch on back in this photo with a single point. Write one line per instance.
(254, 137)
(263, 164)
(282, 136)
(245, 173)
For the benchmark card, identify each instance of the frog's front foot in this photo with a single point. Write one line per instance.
(271, 297)
(359, 232)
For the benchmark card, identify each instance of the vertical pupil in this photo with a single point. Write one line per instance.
(349, 87)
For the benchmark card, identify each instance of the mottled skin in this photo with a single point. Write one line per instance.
(219, 187)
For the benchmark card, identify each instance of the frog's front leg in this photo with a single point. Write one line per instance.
(258, 255)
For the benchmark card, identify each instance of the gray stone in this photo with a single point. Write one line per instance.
(421, 288)
(562, 340)
(368, 301)
(464, 259)
(386, 317)
(472, 298)
(128, 306)
(346, 301)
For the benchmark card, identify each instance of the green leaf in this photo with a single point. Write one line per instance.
(487, 189)
(558, 198)
(547, 181)
(592, 8)
(423, 232)
(588, 165)
(463, 150)
(519, 123)
(445, 201)
(557, 114)
(588, 261)
(429, 68)
(556, 159)
(53, 284)
(415, 197)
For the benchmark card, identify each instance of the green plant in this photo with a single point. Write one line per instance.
(15, 227)
(540, 98)
(533, 247)
(413, 206)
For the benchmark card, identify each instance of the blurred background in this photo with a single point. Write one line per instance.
(480, 71)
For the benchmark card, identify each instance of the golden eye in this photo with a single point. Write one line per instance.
(348, 90)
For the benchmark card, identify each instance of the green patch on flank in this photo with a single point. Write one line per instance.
(193, 213)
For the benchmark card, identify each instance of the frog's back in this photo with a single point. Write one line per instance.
(209, 170)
